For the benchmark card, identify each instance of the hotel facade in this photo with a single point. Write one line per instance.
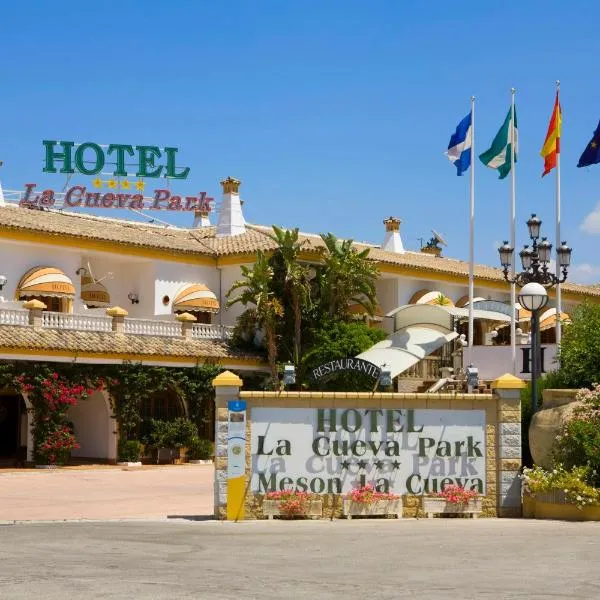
(99, 290)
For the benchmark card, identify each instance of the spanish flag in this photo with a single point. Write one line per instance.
(551, 145)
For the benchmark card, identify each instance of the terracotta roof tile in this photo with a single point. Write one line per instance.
(95, 342)
(203, 242)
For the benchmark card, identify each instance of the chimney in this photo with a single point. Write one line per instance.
(231, 219)
(392, 241)
(201, 219)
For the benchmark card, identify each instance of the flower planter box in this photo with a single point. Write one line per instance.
(200, 461)
(270, 509)
(439, 506)
(553, 505)
(372, 509)
(129, 463)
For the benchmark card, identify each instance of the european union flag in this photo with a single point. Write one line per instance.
(591, 154)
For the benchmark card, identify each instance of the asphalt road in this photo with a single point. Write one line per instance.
(437, 559)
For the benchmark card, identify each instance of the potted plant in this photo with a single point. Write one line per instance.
(367, 501)
(200, 451)
(171, 438)
(130, 452)
(453, 499)
(290, 504)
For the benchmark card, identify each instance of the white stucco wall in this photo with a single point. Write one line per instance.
(229, 275)
(94, 428)
(169, 278)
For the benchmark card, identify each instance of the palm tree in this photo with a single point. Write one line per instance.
(256, 290)
(347, 277)
(295, 275)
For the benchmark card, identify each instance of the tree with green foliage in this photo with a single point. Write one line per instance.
(335, 339)
(295, 279)
(346, 277)
(266, 308)
(579, 354)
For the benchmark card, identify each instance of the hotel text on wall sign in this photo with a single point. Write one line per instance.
(329, 451)
(90, 158)
(78, 196)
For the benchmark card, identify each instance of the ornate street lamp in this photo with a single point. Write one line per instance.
(534, 280)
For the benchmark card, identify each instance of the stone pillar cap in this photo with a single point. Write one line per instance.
(508, 382)
(116, 311)
(33, 304)
(227, 378)
(186, 317)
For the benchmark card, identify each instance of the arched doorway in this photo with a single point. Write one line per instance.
(13, 429)
(94, 428)
(163, 406)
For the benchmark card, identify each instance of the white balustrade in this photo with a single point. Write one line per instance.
(205, 331)
(57, 320)
(14, 317)
(150, 327)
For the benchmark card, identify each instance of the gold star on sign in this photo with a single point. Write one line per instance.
(111, 183)
(140, 185)
(125, 184)
(97, 182)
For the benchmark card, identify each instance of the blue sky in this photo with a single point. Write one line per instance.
(334, 114)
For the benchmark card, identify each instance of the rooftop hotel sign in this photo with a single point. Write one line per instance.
(89, 158)
(331, 450)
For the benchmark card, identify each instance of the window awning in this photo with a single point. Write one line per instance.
(94, 294)
(45, 281)
(434, 297)
(196, 296)
(548, 319)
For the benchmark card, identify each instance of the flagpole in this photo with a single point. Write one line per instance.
(472, 236)
(513, 217)
(558, 290)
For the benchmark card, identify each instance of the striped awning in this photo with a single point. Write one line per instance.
(94, 294)
(45, 281)
(433, 297)
(196, 297)
(548, 319)
(464, 300)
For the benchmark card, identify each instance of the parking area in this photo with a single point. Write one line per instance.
(106, 493)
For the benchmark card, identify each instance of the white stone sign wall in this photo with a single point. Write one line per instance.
(398, 450)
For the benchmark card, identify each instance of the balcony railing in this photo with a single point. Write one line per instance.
(426, 369)
(14, 317)
(56, 320)
(76, 322)
(150, 327)
(204, 331)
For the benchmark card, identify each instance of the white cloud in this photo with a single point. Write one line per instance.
(591, 223)
(584, 273)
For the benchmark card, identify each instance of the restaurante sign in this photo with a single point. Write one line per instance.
(329, 450)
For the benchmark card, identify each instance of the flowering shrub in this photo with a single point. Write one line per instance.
(291, 503)
(51, 396)
(572, 484)
(578, 443)
(58, 445)
(457, 494)
(367, 495)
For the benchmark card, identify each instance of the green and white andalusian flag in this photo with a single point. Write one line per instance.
(499, 155)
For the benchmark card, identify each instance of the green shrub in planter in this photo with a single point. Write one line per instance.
(172, 434)
(199, 449)
(130, 450)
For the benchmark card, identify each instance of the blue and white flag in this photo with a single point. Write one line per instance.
(459, 148)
